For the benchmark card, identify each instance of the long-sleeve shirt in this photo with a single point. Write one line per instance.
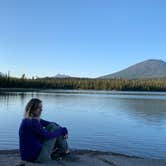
(31, 136)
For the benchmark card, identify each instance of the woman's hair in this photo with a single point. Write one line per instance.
(31, 106)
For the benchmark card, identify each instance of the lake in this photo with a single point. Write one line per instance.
(132, 123)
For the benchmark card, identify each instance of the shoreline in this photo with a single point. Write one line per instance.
(14, 89)
(87, 157)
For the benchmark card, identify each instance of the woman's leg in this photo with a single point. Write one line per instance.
(50, 144)
(61, 144)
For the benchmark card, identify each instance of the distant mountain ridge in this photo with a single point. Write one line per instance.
(62, 76)
(148, 69)
(152, 68)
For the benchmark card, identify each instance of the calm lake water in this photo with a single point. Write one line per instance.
(131, 123)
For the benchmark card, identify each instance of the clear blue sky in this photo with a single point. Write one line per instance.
(79, 37)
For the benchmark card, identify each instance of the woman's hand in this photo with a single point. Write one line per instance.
(66, 136)
(65, 133)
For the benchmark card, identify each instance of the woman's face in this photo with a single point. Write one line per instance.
(38, 111)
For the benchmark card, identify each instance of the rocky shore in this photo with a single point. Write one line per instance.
(86, 158)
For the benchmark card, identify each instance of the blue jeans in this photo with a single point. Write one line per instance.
(50, 144)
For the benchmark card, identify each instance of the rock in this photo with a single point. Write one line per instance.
(86, 158)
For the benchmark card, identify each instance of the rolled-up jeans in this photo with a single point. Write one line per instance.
(50, 144)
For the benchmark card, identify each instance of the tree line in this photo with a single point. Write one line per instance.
(7, 81)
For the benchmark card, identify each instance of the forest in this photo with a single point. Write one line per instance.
(83, 83)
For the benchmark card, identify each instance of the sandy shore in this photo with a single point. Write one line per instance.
(86, 158)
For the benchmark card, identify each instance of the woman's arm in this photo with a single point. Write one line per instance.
(45, 122)
(38, 128)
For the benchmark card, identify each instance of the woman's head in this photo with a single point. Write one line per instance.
(33, 108)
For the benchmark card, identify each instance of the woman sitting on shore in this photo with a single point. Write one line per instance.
(41, 140)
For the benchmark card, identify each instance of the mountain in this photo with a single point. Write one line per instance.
(62, 76)
(152, 68)
(56, 76)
